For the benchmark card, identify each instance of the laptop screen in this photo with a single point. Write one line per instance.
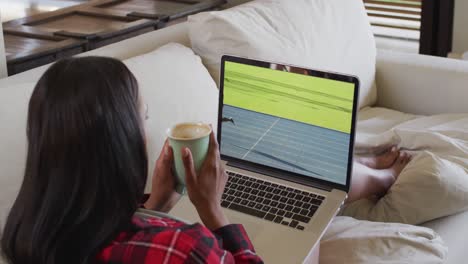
(287, 118)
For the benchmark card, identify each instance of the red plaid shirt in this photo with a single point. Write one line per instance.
(164, 240)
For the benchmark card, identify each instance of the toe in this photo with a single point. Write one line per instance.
(408, 159)
(401, 158)
(390, 157)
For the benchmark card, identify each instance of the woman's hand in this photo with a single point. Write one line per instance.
(163, 195)
(206, 188)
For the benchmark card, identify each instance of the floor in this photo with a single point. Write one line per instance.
(21, 8)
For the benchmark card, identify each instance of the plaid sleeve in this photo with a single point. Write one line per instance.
(234, 239)
(233, 246)
(160, 240)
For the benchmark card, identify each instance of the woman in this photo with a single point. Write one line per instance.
(86, 172)
(85, 176)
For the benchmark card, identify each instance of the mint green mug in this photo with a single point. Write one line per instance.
(196, 137)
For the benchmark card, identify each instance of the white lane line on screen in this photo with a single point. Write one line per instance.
(260, 139)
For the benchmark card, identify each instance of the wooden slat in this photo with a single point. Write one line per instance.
(395, 17)
(27, 31)
(21, 55)
(393, 10)
(401, 2)
(45, 15)
(406, 10)
(202, 5)
(394, 26)
(105, 13)
(166, 9)
(127, 28)
(393, 4)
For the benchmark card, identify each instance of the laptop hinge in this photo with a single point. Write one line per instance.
(280, 175)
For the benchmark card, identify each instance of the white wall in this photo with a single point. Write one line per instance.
(460, 27)
(3, 67)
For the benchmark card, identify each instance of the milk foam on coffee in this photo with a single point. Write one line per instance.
(190, 131)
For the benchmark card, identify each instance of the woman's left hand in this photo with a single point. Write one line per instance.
(163, 195)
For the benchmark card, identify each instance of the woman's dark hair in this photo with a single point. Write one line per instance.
(86, 164)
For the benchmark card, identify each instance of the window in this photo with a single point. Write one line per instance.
(396, 23)
(423, 26)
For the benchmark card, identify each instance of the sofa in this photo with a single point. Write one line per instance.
(407, 83)
(3, 66)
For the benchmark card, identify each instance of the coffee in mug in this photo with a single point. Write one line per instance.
(196, 137)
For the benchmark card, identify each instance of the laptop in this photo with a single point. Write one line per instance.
(286, 136)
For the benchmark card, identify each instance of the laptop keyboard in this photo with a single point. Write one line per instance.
(276, 203)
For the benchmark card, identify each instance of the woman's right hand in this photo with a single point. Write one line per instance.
(206, 188)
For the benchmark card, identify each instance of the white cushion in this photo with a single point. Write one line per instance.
(177, 88)
(357, 242)
(14, 102)
(333, 35)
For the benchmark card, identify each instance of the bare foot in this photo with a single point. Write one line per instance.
(399, 164)
(382, 161)
(387, 177)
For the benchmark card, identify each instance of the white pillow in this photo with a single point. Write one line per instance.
(429, 187)
(14, 102)
(333, 35)
(357, 242)
(177, 88)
